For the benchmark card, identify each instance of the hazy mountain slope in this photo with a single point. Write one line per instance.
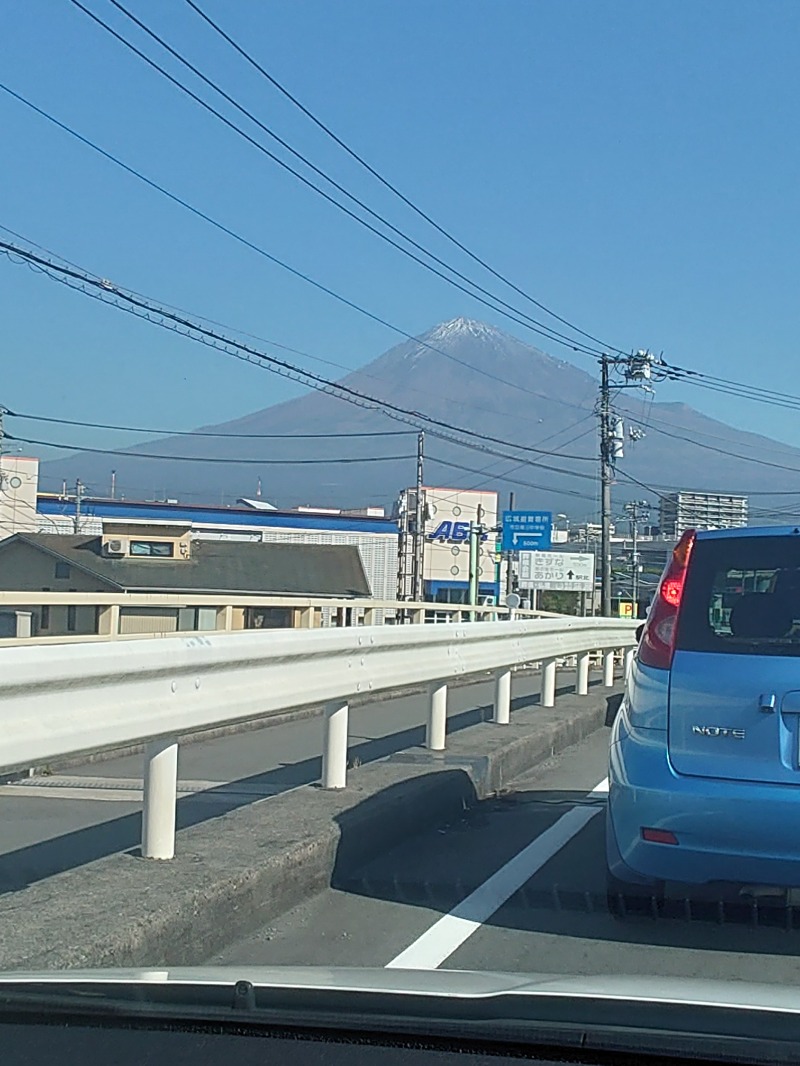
(523, 395)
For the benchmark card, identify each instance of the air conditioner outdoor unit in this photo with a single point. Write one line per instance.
(116, 547)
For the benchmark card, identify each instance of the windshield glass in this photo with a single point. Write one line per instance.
(399, 455)
(743, 597)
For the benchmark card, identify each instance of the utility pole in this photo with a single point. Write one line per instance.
(419, 524)
(475, 537)
(510, 555)
(637, 370)
(635, 510)
(635, 564)
(78, 497)
(606, 476)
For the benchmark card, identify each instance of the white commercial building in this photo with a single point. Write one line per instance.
(448, 514)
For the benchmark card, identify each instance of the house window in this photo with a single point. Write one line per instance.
(72, 616)
(161, 549)
(269, 618)
(62, 570)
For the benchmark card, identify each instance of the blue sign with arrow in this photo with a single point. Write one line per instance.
(527, 531)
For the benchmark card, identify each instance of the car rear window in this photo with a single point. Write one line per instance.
(742, 595)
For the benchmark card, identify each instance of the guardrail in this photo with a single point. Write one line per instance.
(66, 700)
(306, 612)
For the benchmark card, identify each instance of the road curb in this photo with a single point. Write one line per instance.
(235, 873)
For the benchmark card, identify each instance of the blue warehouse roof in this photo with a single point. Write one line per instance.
(230, 516)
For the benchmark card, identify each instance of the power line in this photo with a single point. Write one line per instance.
(387, 184)
(136, 485)
(143, 307)
(729, 387)
(259, 250)
(731, 492)
(106, 292)
(641, 484)
(567, 428)
(515, 480)
(719, 451)
(205, 433)
(650, 419)
(650, 488)
(745, 393)
(714, 383)
(687, 373)
(210, 458)
(268, 340)
(525, 320)
(498, 475)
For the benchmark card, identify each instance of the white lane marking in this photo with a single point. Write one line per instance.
(447, 934)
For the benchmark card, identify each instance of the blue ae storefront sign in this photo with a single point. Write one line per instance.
(453, 532)
(527, 530)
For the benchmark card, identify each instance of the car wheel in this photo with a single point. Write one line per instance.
(626, 899)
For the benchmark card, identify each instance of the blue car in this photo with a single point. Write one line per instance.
(704, 765)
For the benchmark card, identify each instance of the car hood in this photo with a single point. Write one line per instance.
(447, 984)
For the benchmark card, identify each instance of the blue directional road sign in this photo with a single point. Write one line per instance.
(526, 530)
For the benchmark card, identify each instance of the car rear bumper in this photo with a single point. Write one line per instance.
(742, 832)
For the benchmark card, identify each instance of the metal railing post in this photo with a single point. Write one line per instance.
(436, 729)
(160, 799)
(548, 683)
(608, 667)
(582, 674)
(334, 749)
(502, 696)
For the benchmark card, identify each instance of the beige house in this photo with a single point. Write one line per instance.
(165, 559)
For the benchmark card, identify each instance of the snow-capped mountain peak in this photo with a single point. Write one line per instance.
(462, 327)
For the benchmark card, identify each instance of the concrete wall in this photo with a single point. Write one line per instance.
(22, 567)
(149, 620)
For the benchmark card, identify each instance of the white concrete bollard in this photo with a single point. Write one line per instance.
(608, 667)
(334, 748)
(582, 674)
(502, 697)
(436, 729)
(160, 799)
(548, 683)
(629, 654)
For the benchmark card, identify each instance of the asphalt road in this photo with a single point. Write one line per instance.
(52, 823)
(518, 884)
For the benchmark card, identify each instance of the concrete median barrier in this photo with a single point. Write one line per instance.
(234, 873)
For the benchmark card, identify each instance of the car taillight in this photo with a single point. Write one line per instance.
(658, 639)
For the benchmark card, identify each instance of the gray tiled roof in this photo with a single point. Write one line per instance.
(216, 566)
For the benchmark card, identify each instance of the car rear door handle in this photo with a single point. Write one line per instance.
(790, 703)
(766, 702)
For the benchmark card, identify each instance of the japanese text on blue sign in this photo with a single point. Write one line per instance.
(527, 530)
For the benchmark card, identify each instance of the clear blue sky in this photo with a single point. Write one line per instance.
(632, 164)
